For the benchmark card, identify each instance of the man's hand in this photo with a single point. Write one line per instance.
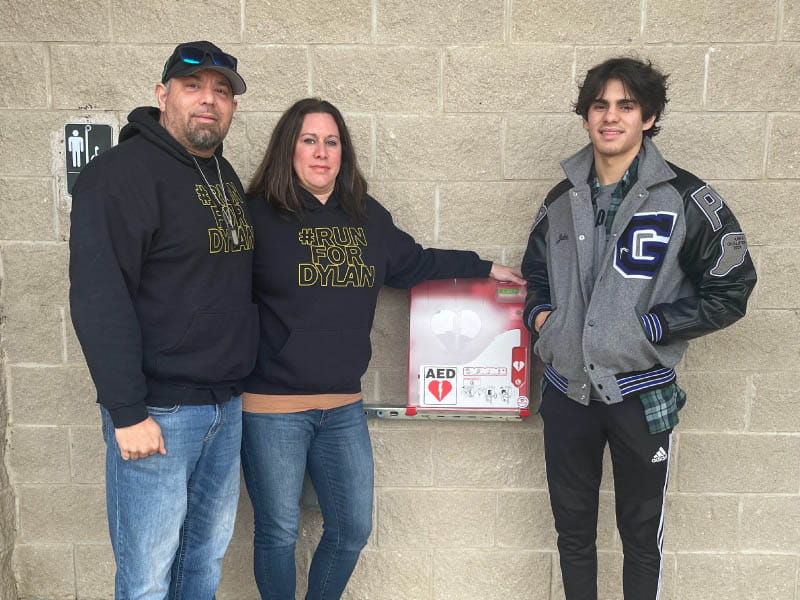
(540, 319)
(504, 273)
(140, 440)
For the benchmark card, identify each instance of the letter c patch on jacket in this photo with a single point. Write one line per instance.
(642, 246)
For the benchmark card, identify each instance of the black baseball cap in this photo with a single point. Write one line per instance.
(195, 56)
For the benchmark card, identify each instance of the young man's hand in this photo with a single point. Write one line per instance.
(504, 273)
(140, 440)
(540, 319)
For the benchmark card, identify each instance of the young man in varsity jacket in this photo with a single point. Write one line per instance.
(629, 258)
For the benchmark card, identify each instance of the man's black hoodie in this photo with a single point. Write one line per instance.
(160, 292)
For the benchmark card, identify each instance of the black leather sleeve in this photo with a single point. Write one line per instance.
(534, 263)
(715, 258)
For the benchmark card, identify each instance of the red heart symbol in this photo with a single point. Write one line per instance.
(440, 389)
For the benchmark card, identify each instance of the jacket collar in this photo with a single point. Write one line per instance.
(653, 169)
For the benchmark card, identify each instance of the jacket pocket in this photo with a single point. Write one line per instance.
(322, 361)
(217, 347)
(543, 346)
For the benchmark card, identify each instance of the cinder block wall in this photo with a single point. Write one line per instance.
(460, 112)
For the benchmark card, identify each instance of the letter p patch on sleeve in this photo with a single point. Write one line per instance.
(732, 253)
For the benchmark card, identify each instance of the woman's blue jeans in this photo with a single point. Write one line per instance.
(276, 451)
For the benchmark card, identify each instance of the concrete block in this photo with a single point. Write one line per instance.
(88, 76)
(715, 146)
(504, 457)
(574, 21)
(39, 454)
(715, 401)
(776, 405)
(33, 333)
(495, 575)
(44, 570)
(709, 20)
(25, 135)
(87, 455)
(437, 22)
(771, 524)
(361, 128)
(286, 21)
(536, 144)
(754, 78)
(259, 128)
(8, 520)
(525, 520)
(434, 518)
(738, 463)
(369, 78)
(421, 148)
(412, 204)
(28, 212)
(390, 329)
(391, 575)
(236, 147)
(778, 287)
(166, 22)
(35, 274)
(237, 581)
(25, 76)
(685, 66)
(53, 396)
(762, 208)
(783, 157)
(764, 339)
(392, 386)
(403, 458)
(276, 76)
(701, 523)
(609, 575)
(44, 21)
(8, 584)
(791, 20)
(94, 570)
(62, 513)
(755, 577)
(520, 78)
(488, 213)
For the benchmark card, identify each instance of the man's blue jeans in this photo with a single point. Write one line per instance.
(171, 516)
(276, 450)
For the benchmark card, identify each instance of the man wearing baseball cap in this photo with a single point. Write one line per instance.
(160, 270)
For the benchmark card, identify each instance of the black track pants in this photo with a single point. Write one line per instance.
(575, 437)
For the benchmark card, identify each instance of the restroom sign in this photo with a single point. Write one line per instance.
(84, 142)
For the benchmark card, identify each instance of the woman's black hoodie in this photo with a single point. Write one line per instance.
(160, 293)
(316, 281)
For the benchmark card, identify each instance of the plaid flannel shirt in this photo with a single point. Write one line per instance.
(661, 407)
(623, 187)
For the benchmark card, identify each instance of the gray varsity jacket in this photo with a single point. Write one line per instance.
(676, 267)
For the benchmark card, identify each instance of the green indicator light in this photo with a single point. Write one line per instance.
(510, 291)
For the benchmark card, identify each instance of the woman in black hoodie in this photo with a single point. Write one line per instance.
(323, 249)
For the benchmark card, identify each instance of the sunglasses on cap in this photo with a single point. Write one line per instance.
(195, 56)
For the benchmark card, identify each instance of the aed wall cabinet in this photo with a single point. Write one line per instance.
(468, 349)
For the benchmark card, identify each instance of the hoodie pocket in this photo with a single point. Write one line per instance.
(322, 361)
(217, 347)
